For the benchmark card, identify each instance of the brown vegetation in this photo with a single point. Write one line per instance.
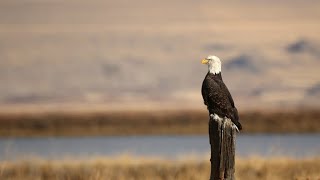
(133, 168)
(151, 122)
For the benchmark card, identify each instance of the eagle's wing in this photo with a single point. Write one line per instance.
(227, 92)
(233, 109)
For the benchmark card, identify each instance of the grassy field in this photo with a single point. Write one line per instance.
(127, 167)
(149, 122)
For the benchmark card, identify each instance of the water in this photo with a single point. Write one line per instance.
(266, 145)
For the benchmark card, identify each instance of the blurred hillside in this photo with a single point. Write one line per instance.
(141, 52)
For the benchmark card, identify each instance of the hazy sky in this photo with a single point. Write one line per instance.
(143, 51)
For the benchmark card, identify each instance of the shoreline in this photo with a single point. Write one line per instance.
(174, 122)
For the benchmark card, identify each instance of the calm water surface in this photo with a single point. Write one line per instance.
(294, 145)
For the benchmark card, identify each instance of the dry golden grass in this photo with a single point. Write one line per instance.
(141, 168)
(149, 122)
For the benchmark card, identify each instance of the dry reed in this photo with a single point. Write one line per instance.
(143, 168)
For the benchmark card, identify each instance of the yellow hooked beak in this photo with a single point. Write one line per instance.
(204, 61)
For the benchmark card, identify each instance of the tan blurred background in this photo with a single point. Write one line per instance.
(146, 54)
(110, 89)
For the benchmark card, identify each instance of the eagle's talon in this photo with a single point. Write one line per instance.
(235, 127)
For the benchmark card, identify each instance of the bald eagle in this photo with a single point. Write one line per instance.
(215, 93)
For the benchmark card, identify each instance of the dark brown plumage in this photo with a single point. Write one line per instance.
(218, 99)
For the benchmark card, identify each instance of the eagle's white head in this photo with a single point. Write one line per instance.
(214, 64)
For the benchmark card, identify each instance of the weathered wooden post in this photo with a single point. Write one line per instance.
(222, 135)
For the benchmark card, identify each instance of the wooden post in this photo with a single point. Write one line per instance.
(222, 140)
